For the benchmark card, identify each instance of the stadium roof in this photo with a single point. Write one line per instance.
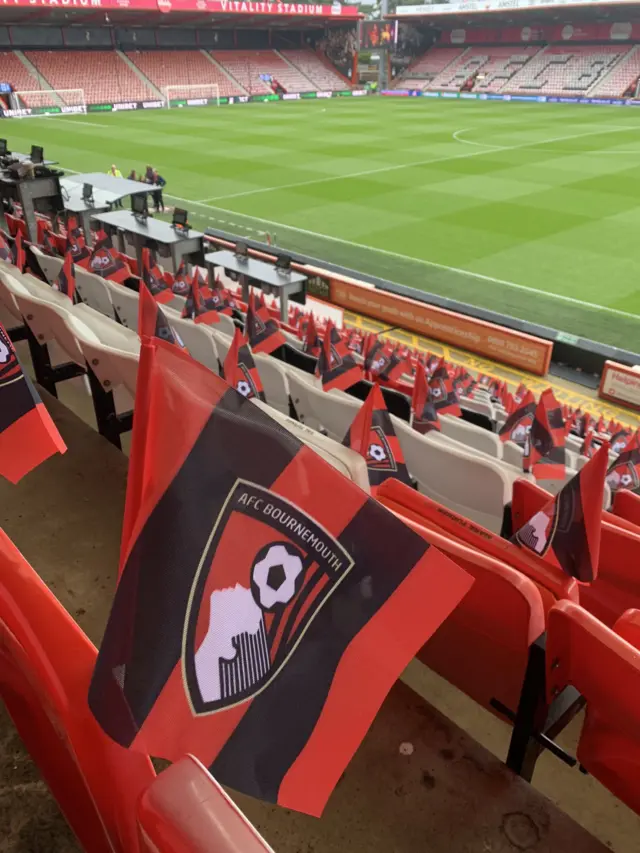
(505, 12)
(174, 13)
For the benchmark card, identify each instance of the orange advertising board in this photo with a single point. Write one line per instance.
(486, 339)
(621, 384)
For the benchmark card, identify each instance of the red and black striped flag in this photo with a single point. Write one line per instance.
(240, 369)
(181, 282)
(544, 454)
(588, 447)
(66, 281)
(19, 256)
(28, 436)
(442, 393)
(383, 365)
(624, 472)
(619, 440)
(261, 329)
(76, 244)
(311, 343)
(521, 392)
(105, 261)
(217, 297)
(259, 623)
(199, 307)
(372, 436)
(48, 246)
(425, 416)
(153, 322)
(566, 532)
(517, 425)
(336, 365)
(154, 279)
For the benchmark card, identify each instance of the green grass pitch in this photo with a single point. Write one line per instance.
(532, 210)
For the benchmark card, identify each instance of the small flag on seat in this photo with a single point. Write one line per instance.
(624, 472)
(261, 329)
(619, 440)
(544, 454)
(181, 282)
(28, 436)
(66, 280)
(372, 436)
(566, 532)
(153, 322)
(336, 366)
(588, 448)
(19, 256)
(199, 307)
(425, 416)
(442, 393)
(267, 604)
(311, 340)
(76, 244)
(240, 369)
(517, 425)
(106, 262)
(153, 278)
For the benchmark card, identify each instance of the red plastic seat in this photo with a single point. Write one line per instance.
(46, 663)
(186, 810)
(617, 587)
(626, 505)
(604, 666)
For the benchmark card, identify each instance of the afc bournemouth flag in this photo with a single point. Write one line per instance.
(619, 440)
(336, 366)
(261, 329)
(153, 322)
(259, 623)
(66, 281)
(425, 417)
(28, 436)
(181, 284)
(442, 393)
(566, 532)
(544, 452)
(521, 392)
(76, 244)
(199, 307)
(312, 343)
(624, 472)
(106, 262)
(154, 279)
(588, 447)
(240, 369)
(383, 365)
(5, 251)
(217, 297)
(517, 425)
(19, 256)
(372, 436)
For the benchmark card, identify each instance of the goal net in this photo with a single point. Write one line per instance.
(196, 95)
(48, 102)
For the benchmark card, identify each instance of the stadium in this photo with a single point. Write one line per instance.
(319, 426)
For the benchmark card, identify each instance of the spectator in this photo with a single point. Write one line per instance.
(158, 201)
(114, 171)
(132, 175)
(148, 175)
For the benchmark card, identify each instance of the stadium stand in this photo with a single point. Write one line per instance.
(429, 66)
(502, 63)
(623, 75)
(566, 70)
(183, 68)
(103, 75)
(316, 69)
(247, 66)
(21, 78)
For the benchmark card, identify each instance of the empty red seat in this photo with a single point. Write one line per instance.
(617, 587)
(603, 664)
(626, 505)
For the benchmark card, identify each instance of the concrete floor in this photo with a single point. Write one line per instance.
(451, 794)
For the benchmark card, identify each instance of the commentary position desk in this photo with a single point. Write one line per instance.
(273, 282)
(154, 234)
(107, 191)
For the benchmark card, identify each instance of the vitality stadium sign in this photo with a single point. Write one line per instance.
(229, 7)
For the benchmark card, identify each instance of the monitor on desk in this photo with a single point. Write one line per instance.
(283, 263)
(179, 219)
(37, 154)
(3, 148)
(242, 251)
(87, 193)
(140, 205)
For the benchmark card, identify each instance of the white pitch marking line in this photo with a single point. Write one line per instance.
(397, 166)
(75, 121)
(457, 137)
(423, 261)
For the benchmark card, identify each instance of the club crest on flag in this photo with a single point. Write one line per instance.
(246, 385)
(379, 455)
(245, 618)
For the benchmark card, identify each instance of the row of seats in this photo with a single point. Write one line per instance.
(495, 66)
(566, 69)
(186, 68)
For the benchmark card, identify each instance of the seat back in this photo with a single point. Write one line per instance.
(274, 381)
(111, 351)
(626, 505)
(125, 303)
(186, 811)
(46, 663)
(483, 647)
(47, 319)
(472, 435)
(617, 587)
(9, 286)
(49, 265)
(322, 410)
(94, 292)
(199, 340)
(605, 668)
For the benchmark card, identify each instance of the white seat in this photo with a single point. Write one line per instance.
(274, 381)
(125, 303)
(349, 463)
(322, 411)
(94, 292)
(49, 265)
(481, 407)
(512, 454)
(472, 435)
(112, 355)
(226, 325)
(198, 339)
(473, 485)
(9, 285)
(574, 442)
(223, 342)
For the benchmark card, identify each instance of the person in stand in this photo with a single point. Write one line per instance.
(132, 176)
(158, 201)
(115, 173)
(148, 175)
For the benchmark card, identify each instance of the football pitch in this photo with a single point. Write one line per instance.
(532, 210)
